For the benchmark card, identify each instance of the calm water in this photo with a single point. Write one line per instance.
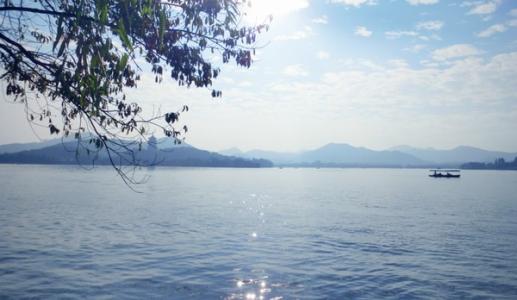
(271, 233)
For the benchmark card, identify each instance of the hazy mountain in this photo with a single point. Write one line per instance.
(344, 154)
(62, 151)
(334, 154)
(168, 143)
(232, 152)
(163, 143)
(275, 157)
(17, 147)
(347, 154)
(458, 155)
(185, 155)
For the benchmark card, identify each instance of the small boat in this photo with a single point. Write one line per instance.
(441, 173)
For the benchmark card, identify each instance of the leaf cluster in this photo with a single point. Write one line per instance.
(82, 56)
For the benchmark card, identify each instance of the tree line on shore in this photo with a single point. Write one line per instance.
(498, 164)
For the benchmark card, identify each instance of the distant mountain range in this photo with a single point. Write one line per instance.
(62, 151)
(13, 148)
(165, 153)
(333, 155)
(458, 155)
(163, 143)
(401, 156)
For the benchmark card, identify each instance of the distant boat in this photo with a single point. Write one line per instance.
(441, 173)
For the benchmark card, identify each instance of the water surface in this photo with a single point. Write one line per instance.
(257, 234)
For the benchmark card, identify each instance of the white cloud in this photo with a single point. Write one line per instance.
(512, 23)
(295, 71)
(468, 81)
(398, 63)
(513, 12)
(484, 8)
(320, 20)
(323, 55)
(455, 51)
(353, 64)
(362, 31)
(297, 35)
(245, 83)
(430, 25)
(399, 34)
(497, 28)
(415, 48)
(261, 9)
(355, 3)
(422, 2)
(467, 88)
(430, 37)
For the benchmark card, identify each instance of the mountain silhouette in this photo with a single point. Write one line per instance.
(458, 155)
(175, 155)
(334, 154)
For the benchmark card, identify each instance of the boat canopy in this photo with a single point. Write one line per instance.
(445, 170)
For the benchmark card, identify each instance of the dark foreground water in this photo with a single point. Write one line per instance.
(257, 234)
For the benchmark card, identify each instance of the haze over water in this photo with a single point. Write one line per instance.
(252, 233)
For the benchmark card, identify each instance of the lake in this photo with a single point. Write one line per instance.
(257, 234)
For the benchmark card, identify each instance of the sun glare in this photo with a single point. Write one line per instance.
(259, 10)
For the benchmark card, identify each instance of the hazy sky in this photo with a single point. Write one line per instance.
(370, 73)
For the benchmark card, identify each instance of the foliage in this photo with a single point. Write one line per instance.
(76, 60)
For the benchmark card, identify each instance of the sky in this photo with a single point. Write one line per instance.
(371, 73)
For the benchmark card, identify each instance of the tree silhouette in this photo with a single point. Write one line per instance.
(71, 62)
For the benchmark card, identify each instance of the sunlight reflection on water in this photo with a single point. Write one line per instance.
(251, 289)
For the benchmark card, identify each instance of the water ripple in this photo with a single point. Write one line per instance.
(256, 234)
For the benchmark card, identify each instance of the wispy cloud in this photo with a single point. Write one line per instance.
(398, 34)
(363, 31)
(496, 28)
(297, 35)
(512, 23)
(260, 10)
(322, 55)
(398, 63)
(422, 2)
(455, 51)
(482, 8)
(415, 48)
(429, 25)
(473, 79)
(295, 71)
(320, 20)
(426, 26)
(355, 3)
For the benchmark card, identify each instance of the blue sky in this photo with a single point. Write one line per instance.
(370, 73)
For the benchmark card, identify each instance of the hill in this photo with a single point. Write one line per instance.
(335, 155)
(458, 155)
(163, 143)
(181, 155)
